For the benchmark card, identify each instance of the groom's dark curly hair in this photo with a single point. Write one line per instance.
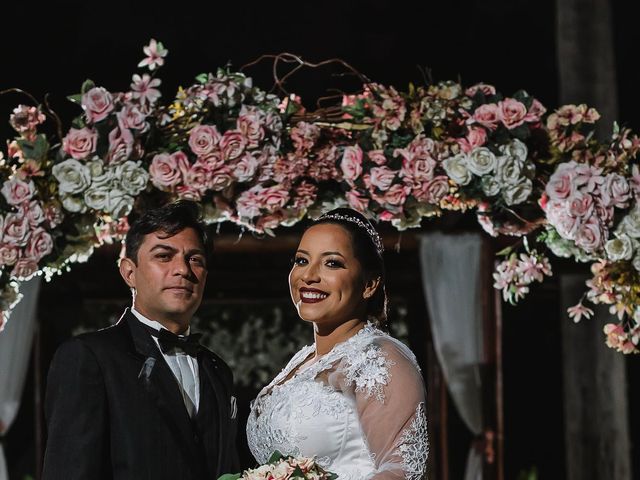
(169, 219)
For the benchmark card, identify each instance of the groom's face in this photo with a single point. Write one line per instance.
(168, 276)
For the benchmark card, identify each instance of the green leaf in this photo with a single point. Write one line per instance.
(86, 86)
(36, 150)
(230, 476)
(297, 472)
(77, 99)
(275, 456)
(504, 252)
(202, 78)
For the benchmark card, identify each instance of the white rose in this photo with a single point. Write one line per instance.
(630, 224)
(96, 167)
(119, 203)
(97, 197)
(73, 176)
(73, 204)
(516, 149)
(518, 193)
(481, 161)
(509, 169)
(456, 169)
(619, 248)
(490, 186)
(105, 180)
(133, 178)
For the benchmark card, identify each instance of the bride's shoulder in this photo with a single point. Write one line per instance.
(372, 360)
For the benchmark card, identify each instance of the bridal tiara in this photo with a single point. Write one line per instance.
(373, 234)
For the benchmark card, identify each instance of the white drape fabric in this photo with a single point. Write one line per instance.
(451, 278)
(15, 349)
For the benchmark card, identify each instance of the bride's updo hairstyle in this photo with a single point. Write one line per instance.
(368, 249)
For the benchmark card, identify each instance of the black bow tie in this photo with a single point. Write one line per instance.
(169, 341)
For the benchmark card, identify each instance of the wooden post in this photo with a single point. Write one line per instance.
(595, 398)
(37, 402)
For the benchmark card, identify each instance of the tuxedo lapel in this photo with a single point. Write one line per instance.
(158, 380)
(220, 413)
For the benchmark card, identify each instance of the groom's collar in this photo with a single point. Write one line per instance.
(153, 324)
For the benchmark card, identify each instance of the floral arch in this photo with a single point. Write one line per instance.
(261, 161)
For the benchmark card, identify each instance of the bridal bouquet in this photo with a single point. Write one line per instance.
(284, 467)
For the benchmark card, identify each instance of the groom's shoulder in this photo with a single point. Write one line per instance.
(106, 340)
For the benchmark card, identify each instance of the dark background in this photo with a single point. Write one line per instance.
(52, 48)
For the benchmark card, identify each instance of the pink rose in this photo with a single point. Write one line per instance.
(357, 201)
(24, 268)
(487, 90)
(8, 254)
(80, 143)
(382, 177)
(435, 190)
(166, 170)
(189, 192)
(590, 235)
(396, 195)
(535, 112)
(204, 139)
(120, 144)
(305, 195)
(17, 191)
(386, 216)
(131, 117)
(487, 115)
(25, 120)
(245, 168)
(560, 185)
(232, 144)
(351, 163)
(580, 205)
(35, 214)
(248, 203)
(616, 191)
(512, 112)
(221, 178)
(565, 224)
(274, 198)
(377, 156)
(304, 135)
(40, 244)
(250, 126)
(198, 177)
(16, 230)
(97, 103)
(476, 137)
(418, 170)
(270, 222)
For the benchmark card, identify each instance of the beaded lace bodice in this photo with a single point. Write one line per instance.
(359, 409)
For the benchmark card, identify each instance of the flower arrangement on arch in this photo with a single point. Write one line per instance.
(261, 161)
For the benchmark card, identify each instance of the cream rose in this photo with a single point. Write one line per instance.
(481, 161)
(456, 168)
(72, 176)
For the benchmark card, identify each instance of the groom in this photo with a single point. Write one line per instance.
(142, 400)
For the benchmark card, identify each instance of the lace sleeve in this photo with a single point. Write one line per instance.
(390, 398)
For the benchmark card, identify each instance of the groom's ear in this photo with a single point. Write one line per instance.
(128, 271)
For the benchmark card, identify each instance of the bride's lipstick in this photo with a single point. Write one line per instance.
(312, 295)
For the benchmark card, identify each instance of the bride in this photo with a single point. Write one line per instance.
(355, 399)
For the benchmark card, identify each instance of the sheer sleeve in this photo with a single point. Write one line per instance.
(390, 399)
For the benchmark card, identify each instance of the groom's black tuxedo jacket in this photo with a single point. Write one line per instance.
(114, 411)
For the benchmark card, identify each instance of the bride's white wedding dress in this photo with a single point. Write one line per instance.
(359, 409)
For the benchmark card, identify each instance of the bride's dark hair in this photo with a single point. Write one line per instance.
(368, 249)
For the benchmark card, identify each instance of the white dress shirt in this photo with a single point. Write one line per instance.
(183, 366)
